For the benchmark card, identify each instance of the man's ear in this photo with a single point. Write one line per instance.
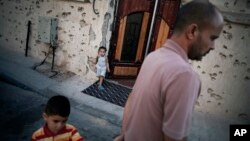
(192, 31)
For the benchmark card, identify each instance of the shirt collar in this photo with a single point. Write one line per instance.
(49, 133)
(173, 46)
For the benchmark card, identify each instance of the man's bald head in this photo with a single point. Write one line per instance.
(202, 13)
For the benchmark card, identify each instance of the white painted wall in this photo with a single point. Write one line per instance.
(80, 31)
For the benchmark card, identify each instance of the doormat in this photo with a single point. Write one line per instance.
(113, 93)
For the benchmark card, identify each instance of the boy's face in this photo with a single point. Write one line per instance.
(55, 122)
(102, 52)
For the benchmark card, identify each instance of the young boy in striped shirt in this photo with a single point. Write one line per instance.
(55, 116)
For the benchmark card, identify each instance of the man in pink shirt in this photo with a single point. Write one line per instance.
(161, 104)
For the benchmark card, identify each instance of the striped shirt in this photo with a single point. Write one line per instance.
(68, 133)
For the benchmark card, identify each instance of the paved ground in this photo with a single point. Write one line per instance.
(21, 112)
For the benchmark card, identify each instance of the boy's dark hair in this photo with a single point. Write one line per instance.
(102, 47)
(200, 12)
(58, 105)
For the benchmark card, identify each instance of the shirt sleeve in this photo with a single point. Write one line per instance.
(179, 101)
(76, 136)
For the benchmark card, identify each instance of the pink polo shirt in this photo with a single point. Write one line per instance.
(164, 96)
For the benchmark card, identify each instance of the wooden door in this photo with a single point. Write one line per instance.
(129, 39)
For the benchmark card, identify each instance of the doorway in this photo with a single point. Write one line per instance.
(129, 39)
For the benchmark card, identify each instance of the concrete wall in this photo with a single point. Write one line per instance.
(80, 30)
(225, 72)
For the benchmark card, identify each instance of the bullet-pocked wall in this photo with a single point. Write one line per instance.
(82, 28)
(225, 71)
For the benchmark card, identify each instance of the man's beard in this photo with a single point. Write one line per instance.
(194, 52)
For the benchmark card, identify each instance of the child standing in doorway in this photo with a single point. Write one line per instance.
(102, 65)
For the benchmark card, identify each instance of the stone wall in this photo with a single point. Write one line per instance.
(80, 30)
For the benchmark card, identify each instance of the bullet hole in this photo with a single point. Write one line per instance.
(213, 74)
(65, 14)
(57, 16)
(219, 104)
(6, 40)
(230, 56)
(38, 42)
(71, 35)
(236, 62)
(224, 46)
(247, 78)
(216, 66)
(197, 103)
(82, 43)
(80, 9)
(71, 7)
(21, 41)
(209, 90)
(208, 101)
(226, 111)
(10, 12)
(73, 55)
(248, 70)
(83, 34)
(198, 67)
(93, 19)
(244, 64)
(16, 39)
(0, 36)
(242, 115)
(216, 96)
(49, 11)
(213, 78)
(242, 38)
(227, 35)
(242, 10)
(220, 72)
(64, 32)
(82, 23)
(59, 28)
(81, 50)
(223, 56)
(73, 27)
(226, 4)
(79, 70)
(203, 72)
(83, 14)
